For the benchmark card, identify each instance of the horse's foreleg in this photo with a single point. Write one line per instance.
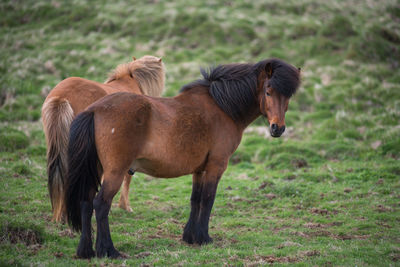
(102, 205)
(203, 197)
(189, 231)
(209, 189)
(85, 247)
(124, 199)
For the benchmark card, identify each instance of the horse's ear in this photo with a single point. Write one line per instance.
(133, 58)
(268, 70)
(160, 60)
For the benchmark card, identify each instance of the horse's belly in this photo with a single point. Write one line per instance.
(169, 166)
(157, 170)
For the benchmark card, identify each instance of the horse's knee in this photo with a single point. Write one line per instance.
(110, 187)
(101, 207)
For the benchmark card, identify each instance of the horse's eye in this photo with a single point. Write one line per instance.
(268, 94)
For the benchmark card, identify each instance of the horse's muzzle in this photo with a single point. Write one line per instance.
(276, 131)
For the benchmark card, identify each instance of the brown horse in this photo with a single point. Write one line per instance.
(72, 96)
(193, 133)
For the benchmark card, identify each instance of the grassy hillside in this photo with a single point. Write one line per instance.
(326, 193)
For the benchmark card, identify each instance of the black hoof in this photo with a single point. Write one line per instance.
(205, 241)
(85, 253)
(188, 237)
(114, 254)
(202, 238)
(196, 235)
(109, 252)
(188, 233)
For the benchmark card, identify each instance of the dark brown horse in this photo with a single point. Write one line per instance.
(193, 133)
(73, 95)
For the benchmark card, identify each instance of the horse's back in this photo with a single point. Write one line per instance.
(79, 92)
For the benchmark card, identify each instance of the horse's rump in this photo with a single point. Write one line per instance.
(80, 92)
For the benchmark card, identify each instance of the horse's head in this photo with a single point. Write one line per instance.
(148, 59)
(149, 72)
(147, 64)
(144, 66)
(279, 82)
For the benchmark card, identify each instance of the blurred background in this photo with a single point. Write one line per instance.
(348, 51)
(342, 143)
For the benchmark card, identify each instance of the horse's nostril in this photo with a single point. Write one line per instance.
(282, 129)
(274, 127)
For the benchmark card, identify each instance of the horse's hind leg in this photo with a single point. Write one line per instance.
(124, 199)
(102, 205)
(85, 247)
(189, 231)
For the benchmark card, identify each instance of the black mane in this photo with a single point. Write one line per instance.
(234, 86)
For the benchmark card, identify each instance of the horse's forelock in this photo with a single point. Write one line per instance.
(285, 77)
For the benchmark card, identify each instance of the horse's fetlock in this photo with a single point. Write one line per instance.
(109, 251)
(85, 249)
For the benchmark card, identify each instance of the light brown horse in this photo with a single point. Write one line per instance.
(193, 133)
(72, 96)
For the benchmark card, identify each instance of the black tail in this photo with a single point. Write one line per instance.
(83, 178)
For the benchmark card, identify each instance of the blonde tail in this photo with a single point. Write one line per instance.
(57, 116)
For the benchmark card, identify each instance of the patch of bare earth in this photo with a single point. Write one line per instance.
(322, 211)
(270, 196)
(322, 233)
(381, 208)
(143, 254)
(288, 244)
(162, 232)
(67, 232)
(27, 236)
(312, 225)
(265, 184)
(260, 260)
(396, 258)
(58, 254)
(270, 259)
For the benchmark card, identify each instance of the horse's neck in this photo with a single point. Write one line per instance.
(252, 115)
(125, 85)
(194, 95)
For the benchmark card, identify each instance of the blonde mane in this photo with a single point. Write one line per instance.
(148, 71)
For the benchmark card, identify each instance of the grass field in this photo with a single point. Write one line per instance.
(327, 193)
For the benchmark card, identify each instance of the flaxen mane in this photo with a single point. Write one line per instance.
(148, 71)
(233, 87)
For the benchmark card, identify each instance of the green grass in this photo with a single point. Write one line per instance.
(327, 193)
